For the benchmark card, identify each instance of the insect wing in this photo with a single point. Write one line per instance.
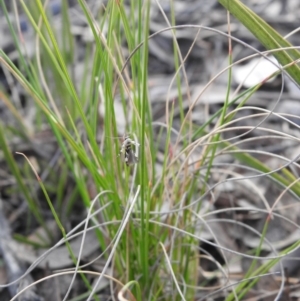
(130, 157)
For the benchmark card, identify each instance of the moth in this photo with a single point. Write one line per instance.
(130, 151)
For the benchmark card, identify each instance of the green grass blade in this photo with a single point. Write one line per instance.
(267, 35)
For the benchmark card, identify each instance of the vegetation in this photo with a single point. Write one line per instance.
(149, 217)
